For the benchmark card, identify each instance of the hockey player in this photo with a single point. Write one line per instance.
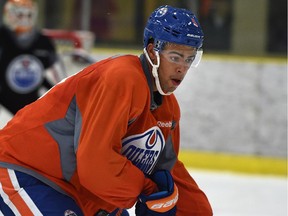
(27, 57)
(107, 137)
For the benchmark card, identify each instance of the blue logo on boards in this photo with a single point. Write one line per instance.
(144, 149)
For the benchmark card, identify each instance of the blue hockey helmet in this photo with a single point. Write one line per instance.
(173, 25)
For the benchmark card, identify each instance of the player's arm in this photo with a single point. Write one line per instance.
(162, 202)
(55, 70)
(52, 75)
(192, 200)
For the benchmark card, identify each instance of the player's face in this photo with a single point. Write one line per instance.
(175, 60)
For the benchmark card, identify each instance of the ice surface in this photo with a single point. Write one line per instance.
(233, 194)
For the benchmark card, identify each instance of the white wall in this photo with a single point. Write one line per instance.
(235, 106)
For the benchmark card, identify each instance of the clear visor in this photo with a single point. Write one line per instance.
(183, 58)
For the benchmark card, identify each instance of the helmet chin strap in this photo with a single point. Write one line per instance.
(155, 72)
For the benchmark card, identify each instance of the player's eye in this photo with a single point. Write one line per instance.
(20, 15)
(190, 60)
(174, 59)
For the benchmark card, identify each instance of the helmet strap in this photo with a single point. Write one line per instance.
(155, 71)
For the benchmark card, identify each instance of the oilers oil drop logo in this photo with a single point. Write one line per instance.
(24, 74)
(144, 149)
(161, 12)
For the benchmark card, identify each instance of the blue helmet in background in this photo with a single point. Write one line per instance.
(173, 25)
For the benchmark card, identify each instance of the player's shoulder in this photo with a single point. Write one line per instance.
(173, 99)
(42, 37)
(4, 33)
(42, 40)
(172, 102)
(123, 71)
(123, 67)
(3, 29)
(126, 61)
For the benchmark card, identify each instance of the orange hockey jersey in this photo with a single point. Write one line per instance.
(95, 136)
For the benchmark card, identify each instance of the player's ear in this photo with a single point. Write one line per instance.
(151, 52)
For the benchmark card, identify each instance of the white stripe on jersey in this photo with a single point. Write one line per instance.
(8, 202)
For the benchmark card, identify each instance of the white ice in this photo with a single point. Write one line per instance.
(233, 194)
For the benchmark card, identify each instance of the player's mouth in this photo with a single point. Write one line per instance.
(176, 82)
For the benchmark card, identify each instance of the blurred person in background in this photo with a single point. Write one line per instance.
(216, 18)
(29, 64)
(107, 138)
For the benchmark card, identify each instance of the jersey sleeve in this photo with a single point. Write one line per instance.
(106, 105)
(192, 200)
(48, 45)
